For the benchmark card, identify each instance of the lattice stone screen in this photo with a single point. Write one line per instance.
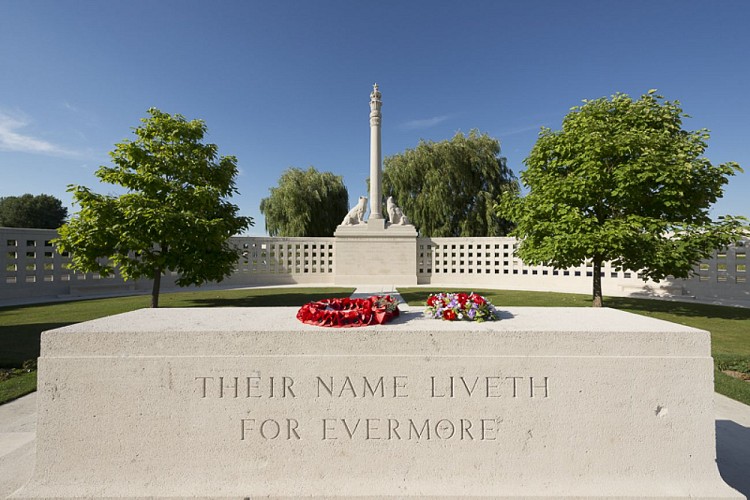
(491, 256)
(727, 266)
(32, 268)
(492, 262)
(285, 255)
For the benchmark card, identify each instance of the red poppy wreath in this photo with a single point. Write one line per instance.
(349, 313)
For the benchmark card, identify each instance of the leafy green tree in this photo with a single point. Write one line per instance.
(450, 188)
(622, 182)
(305, 203)
(174, 215)
(41, 211)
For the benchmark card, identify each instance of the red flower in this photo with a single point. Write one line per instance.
(449, 314)
(462, 298)
(478, 299)
(431, 300)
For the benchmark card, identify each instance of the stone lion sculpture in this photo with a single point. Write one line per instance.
(395, 214)
(356, 214)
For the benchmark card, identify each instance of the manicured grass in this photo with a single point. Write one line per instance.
(729, 326)
(17, 386)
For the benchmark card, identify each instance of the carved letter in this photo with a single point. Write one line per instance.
(445, 425)
(532, 387)
(350, 431)
(371, 389)
(370, 428)
(291, 429)
(393, 429)
(329, 389)
(515, 386)
(204, 384)
(474, 385)
(432, 385)
(397, 386)
(221, 386)
(286, 385)
(487, 428)
(326, 428)
(425, 429)
(465, 428)
(274, 423)
(253, 385)
(492, 386)
(245, 427)
(347, 384)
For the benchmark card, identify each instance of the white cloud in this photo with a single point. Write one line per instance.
(69, 107)
(424, 123)
(13, 140)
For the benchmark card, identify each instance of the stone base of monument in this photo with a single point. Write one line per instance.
(376, 253)
(237, 403)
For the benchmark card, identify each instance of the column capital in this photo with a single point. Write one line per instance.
(375, 102)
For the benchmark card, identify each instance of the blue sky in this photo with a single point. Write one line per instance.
(286, 83)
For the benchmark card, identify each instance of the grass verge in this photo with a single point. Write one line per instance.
(17, 386)
(731, 387)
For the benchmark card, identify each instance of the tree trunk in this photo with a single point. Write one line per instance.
(155, 289)
(597, 282)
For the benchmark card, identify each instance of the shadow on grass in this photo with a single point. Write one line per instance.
(502, 298)
(687, 309)
(277, 299)
(553, 299)
(21, 342)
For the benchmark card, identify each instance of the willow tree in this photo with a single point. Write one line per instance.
(305, 203)
(622, 182)
(450, 188)
(174, 215)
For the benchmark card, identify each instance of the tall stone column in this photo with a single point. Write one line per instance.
(376, 194)
(376, 253)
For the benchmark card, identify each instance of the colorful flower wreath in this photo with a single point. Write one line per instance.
(460, 307)
(348, 313)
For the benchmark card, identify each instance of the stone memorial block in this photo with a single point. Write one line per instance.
(376, 255)
(237, 403)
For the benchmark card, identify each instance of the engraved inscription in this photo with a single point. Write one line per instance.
(246, 387)
(461, 428)
(487, 387)
(410, 429)
(361, 387)
(270, 429)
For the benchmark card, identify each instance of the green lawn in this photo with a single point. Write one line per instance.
(17, 386)
(21, 326)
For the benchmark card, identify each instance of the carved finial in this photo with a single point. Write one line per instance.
(375, 92)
